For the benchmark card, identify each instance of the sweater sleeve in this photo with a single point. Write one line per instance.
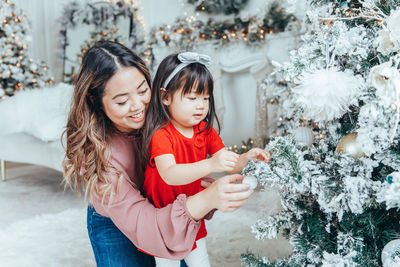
(167, 232)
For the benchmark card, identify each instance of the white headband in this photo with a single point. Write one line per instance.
(187, 58)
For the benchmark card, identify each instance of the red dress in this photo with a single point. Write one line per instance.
(185, 150)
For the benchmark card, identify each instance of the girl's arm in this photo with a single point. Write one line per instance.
(181, 174)
(255, 154)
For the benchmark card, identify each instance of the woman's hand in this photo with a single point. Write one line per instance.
(223, 195)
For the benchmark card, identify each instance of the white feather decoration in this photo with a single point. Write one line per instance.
(326, 94)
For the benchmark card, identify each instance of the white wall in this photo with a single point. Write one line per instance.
(238, 88)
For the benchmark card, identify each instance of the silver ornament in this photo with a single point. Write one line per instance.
(250, 180)
(391, 254)
(304, 136)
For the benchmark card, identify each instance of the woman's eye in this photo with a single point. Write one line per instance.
(143, 91)
(207, 98)
(191, 98)
(122, 103)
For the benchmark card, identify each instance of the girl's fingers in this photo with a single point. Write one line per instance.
(265, 156)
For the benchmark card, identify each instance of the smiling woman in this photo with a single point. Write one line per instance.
(108, 111)
(126, 107)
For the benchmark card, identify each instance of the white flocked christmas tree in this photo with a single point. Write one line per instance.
(336, 154)
(17, 69)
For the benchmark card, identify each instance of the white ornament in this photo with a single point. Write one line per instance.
(392, 23)
(250, 180)
(326, 94)
(391, 254)
(303, 136)
(253, 28)
(244, 16)
(33, 67)
(384, 43)
(384, 78)
(2, 92)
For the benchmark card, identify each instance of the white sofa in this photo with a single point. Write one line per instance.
(31, 124)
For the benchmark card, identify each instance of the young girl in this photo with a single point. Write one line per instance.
(179, 125)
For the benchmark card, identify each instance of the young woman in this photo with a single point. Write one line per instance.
(109, 105)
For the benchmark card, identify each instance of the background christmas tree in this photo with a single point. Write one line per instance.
(336, 157)
(17, 70)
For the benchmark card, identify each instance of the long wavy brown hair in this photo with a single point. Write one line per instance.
(86, 162)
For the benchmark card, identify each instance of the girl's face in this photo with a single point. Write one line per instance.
(126, 99)
(187, 110)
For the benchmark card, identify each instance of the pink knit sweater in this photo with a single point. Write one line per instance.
(168, 232)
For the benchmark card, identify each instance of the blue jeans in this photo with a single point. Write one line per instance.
(111, 247)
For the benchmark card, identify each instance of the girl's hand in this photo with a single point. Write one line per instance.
(258, 154)
(223, 161)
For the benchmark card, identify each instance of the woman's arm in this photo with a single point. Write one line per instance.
(222, 194)
(181, 174)
(170, 232)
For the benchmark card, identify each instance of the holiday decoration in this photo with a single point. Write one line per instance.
(390, 192)
(391, 254)
(339, 207)
(348, 145)
(219, 6)
(17, 70)
(250, 180)
(103, 17)
(386, 79)
(303, 136)
(186, 33)
(326, 94)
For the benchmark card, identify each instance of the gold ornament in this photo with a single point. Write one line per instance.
(348, 145)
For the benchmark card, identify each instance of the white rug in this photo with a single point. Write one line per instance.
(47, 240)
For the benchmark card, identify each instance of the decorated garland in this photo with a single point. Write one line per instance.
(104, 17)
(219, 6)
(187, 32)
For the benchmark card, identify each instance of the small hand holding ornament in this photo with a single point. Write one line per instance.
(255, 154)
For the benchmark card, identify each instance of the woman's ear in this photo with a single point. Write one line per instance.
(165, 97)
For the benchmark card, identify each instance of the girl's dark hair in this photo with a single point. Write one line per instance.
(88, 127)
(194, 74)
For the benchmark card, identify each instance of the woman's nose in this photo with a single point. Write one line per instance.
(136, 104)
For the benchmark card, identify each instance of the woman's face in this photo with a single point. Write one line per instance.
(126, 98)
